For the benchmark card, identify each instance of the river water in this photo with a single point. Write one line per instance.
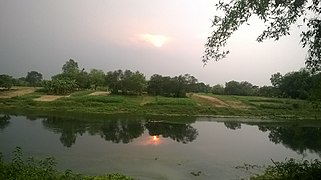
(158, 147)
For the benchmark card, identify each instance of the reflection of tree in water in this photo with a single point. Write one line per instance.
(4, 121)
(297, 138)
(111, 130)
(121, 130)
(117, 131)
(179, 132)
(232, 125)
(67, 127)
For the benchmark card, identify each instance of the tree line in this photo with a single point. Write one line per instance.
(126, 82)
(298, 84)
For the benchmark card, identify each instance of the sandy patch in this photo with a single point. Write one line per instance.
(213, 101)
(99, 93)
(48, 98)
(210, 100)
(17, 91)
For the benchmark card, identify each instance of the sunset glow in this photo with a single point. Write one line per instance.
(155, 138)
(156, 40)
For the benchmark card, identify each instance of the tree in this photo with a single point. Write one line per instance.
(70, 67)
(278, 15)
(83, 80)
(70, 70)
(125, 82)
(276, 79)
(218, 89)
(6, 81)
(155, 85)
(60, 86)
(34, 78)
(113, 80)
(96, 78)
(296, 84)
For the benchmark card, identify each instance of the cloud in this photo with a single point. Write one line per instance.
(154, 39)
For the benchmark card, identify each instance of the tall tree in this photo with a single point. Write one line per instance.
(96, 78)
(70, 69)
(296, 84)
(276, 79)
(278, 15)
(34, 78)
(6, 81)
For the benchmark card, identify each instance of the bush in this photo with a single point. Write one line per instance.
(43, 170)
(292, 169)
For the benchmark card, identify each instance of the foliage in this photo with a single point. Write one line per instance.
(60, 86)
(96, 78)
(299, 84)
(239, 88)
(83, 79)
(292, 169)
(296, 84)
(218, 89)
(176, 86)
(103, 99)
(43, 170)
(20, 82)
(70, 69)
(278, 15)
(34, 78)
(6, 81)
(276, 79)
(125, 82)
(268, 91)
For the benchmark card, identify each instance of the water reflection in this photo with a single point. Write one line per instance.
(184, 133)
(68, 129)
(121, 130)
(297, 138)
(232, 125)
(4, 121)
(118, 131)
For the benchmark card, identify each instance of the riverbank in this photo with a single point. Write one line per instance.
(86, 102)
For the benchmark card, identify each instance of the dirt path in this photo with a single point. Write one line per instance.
(17, 91)
(99, 93)
(213, 101)
(48, 98)
(210, 100)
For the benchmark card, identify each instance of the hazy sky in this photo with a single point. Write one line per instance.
(153, 36)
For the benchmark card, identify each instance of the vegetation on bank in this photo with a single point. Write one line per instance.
(194, 105)
(292, 169)
(21, 169)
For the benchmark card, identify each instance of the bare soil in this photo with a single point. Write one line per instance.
(48, 98)
(210, 100)
(213, 101)
(16, 91)
(99, 93)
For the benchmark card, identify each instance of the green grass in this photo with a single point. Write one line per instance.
(248, 106)
(101, 99)
(174, 101)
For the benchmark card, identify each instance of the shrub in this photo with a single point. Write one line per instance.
(292, 169)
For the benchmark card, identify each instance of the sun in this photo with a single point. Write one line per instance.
(155, 39)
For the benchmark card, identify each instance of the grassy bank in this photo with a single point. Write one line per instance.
(194, 105)
(21, 169)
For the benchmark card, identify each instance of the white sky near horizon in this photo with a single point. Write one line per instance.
(166, 37)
